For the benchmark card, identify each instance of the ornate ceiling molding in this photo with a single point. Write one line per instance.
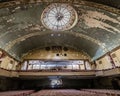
(10, 44)
(97, 23)
(81, 2)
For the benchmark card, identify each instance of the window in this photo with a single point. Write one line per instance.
(54, 65)
(59, 17)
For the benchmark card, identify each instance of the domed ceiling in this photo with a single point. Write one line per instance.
(97, 30)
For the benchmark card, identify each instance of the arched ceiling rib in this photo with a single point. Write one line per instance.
(10, 44)
(64, 39)
(97, 30)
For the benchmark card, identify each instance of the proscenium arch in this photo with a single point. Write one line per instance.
(10, 44)
(17, 41)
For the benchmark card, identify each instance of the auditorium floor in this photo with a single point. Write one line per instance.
(63, 92)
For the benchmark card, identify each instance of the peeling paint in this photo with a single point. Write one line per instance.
(36, 27)
(23, 28)
(94, 19)
(10, 20)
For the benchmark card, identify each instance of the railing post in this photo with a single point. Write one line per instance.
(85, 65)
(27, 64)
(111, 60)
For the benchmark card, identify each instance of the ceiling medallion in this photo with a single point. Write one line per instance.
(59, 17)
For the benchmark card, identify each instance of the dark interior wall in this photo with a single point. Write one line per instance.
(67, 83)
(45, 84)
(8, 83)
(107, 83)
(74, 83)
(77, 83)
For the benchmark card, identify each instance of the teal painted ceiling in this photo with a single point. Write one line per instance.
(96, 33)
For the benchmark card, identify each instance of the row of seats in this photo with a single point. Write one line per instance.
(104, 91)
(65, 92)
(17, 93)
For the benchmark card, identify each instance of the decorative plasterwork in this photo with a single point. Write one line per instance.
(81, 2)
(97, 24)
(9, 45)
(59, 17)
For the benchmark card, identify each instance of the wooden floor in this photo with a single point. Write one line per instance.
(63, 92)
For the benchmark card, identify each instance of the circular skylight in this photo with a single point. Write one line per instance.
(59, 17)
